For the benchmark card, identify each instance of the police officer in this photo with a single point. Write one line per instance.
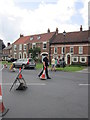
(45, 65)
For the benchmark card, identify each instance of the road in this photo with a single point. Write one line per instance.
(63, 96)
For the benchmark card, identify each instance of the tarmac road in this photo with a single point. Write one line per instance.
(63, 96)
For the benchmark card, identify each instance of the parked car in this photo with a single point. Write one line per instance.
(61, 63)
(25, 63)
(11, 59)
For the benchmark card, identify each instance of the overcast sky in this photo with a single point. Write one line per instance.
(36, 16)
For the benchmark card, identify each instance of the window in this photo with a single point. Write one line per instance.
(37, 55)
(31, 38)
(83, 59)
(33, 45)
(20, 47)
(20, 55)
(25, 46)
(24, 55)
(15, 47)
(63, 50)
(15, 55)
(81, 50)
(55, 50)
(38, 37)
(71, 49)
(75, 59)
(44, 45)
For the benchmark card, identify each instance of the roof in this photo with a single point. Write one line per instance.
(22, 40)
(8, 47)
(36, 38)
(72, 37)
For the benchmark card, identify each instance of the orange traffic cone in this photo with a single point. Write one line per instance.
(43, 76)
(5, 65)
(20, 75)
(3, 110)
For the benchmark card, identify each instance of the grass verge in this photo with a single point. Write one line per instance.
(72, 68)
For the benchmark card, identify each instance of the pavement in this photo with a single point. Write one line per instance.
(86, 70)
(63, 96)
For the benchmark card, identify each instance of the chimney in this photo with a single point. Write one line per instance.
(89, 27)
(8, 43)
(56, 31)
(21, 35)
(48, 30)
(81, 28)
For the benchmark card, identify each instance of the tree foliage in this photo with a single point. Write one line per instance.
(34, 52)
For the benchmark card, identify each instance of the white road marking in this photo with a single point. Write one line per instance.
(27, 83)
(1, 68)
(84, 84)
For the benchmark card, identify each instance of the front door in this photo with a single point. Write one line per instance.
(68, 59)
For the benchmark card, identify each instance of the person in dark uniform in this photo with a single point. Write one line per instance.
(45, 64)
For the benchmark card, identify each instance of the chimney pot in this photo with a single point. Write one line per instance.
(56, 31)
(21, 35)
(89, 27)
(81, 28)
(8, 43)
(48, 30)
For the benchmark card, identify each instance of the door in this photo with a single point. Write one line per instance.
(68, 59)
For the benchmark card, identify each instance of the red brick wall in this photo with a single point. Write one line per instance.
(76, 49)
(67, 49)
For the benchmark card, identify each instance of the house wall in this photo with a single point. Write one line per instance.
(72, 55)
(29, 45)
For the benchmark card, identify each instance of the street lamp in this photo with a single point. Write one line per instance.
(64, 34)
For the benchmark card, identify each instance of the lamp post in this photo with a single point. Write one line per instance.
(64, 34)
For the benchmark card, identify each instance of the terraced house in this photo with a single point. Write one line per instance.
(73, 47)
(20, 48)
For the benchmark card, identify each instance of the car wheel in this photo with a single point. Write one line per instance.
(23, 66)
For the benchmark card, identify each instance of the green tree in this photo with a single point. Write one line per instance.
(34, 52)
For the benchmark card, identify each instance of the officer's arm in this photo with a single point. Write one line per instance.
(44, 64)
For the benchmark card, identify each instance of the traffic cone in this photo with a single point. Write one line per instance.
(3, 110)
(5, 65)
(20, 75)
(43, 76)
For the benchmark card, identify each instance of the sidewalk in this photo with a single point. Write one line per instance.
(86, 70)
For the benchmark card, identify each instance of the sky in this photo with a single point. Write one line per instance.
(29, 17)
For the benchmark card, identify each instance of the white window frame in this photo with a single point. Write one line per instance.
(15, 55)
(73, 59)
(37, 55)
(83, 61)
(70, 50)
(31, 38)
(38, 37)
(23, 55)
(80, 51)
(20, 46)
(33, 45)
(44, 43)
(20, 54)
(15, 47)
(62, 50)
(55, 51)
(25, 47)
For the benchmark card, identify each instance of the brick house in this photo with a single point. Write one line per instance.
(7, 51)
(20, 48)
(74, 47)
